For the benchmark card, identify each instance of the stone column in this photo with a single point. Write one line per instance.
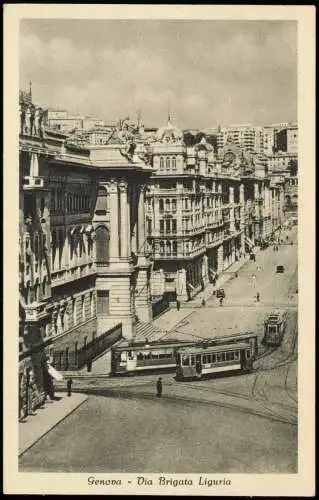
(114, 226)
(125, 229)
(231, 211)
(134, 219)
(141, 221)
(34, 167)
(220, 259)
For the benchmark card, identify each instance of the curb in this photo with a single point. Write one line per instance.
(51, 428)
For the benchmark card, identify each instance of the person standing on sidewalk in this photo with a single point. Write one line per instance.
(69, 386)
(178, 305)
(159, 387)
(221, 301)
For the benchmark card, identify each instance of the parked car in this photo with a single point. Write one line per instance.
(220, 293)
(280, 269)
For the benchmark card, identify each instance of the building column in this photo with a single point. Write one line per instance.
(114, 226)
(141, 221)
(34, 167)
(134, 219)
(125, 221)
(220, 259)
(231, 211)
(242, 217)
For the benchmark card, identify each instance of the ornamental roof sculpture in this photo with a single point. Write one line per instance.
(169, 134)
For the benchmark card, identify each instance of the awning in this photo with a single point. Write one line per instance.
(54, 373)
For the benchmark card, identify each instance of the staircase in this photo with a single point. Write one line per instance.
(148, 331)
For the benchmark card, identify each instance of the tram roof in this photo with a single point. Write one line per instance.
(213, 348)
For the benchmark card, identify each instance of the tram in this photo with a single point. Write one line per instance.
(194, 363)
(134, 358)
(274, 329)
(130, 358)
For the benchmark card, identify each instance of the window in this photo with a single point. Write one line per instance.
(174, 163)
(174, 247)
(161, 226)
(161, 163)
(92, 304)
(209, 358)
(236, 355)
(204, 359)
(192, 360)
(149, 226)
(103, 302)
(83, 306)
(174, 205)
(247, 354)
(185, 360)
(161, 248)
(102, 245)
(168, 163)
(74, 311)
(168, 248)
(168, 226)
(219, 357)
(174, 225)
(168, 205)
(161, 205)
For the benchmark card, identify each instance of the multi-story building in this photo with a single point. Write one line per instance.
(84, 277)
(281, 161)
(241, 135)
(202, 211)
(287, 139)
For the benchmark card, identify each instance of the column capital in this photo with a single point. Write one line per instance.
(123, 185)
(112, 186)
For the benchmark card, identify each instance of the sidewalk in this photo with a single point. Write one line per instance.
(46, 418)
(172, 317)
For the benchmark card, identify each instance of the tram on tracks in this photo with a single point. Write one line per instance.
(274, 328)
(137, 358)
(194, 363)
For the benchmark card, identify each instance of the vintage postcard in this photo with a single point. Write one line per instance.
(159, 255)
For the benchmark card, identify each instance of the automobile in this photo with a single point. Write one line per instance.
(220, 293)
(280, 269)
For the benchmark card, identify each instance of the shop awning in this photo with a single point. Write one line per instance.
(54, 373)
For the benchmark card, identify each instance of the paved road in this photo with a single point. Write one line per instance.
(243, 424)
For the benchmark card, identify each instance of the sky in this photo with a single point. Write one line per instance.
(207, 73)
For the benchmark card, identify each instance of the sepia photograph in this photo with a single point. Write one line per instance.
(158, 264)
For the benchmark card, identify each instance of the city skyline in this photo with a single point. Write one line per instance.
(82, 66)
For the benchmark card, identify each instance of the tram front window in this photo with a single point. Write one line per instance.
(185, 360)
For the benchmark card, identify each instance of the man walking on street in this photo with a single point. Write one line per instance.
(69, 386)
(159, 387)
(221, 301)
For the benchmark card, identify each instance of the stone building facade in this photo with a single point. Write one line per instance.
(84, 277)
(204, 211)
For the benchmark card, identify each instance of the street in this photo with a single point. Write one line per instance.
(235, 424)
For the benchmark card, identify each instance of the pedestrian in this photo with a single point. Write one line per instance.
(69, 386)
(203, 301)
(257, 296)
(221, 301)
(159, 387)
(178, 305)
(214, 281)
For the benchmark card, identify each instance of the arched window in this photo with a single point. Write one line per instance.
(168, 248)
(161, 163)
(168, 163)
(162, 248)
(168, 205)
(174, 163)
(161, 205)
(174, 205)
(102, 245)
(174, 247)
